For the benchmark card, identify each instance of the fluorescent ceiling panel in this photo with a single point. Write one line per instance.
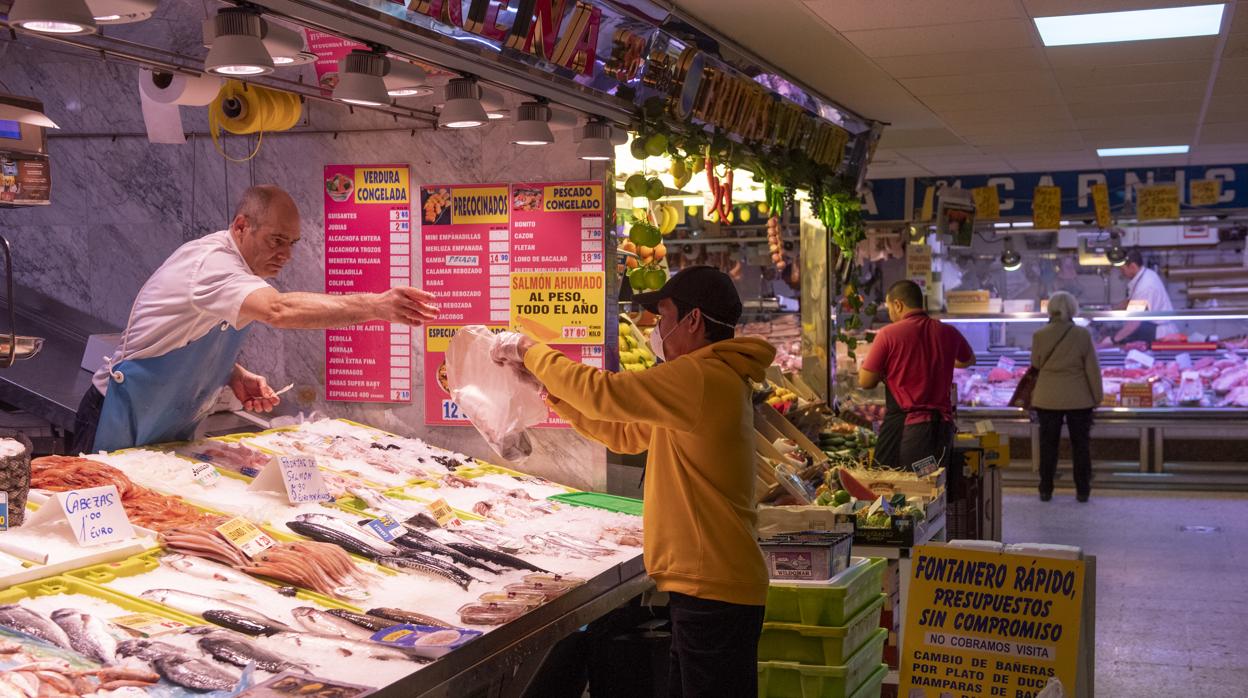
(1143, 150)
(1135, 25)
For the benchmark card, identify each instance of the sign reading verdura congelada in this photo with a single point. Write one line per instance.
(990, 624)
(368, 249)
(479, 240)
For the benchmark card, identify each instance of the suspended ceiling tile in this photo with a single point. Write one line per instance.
(1223, 108)
(1048, 125)
(1119, 94)
(857, 15)
(1099, 75)
(1052, 8)
(1138, 108)
(1006, 114)
(963, 149)
(1029, 98)
(1219, 154)
(1236, 44)
(1147, 134)
(1233, 67)
(1150, 161)
(1194, 48)
(1029, 142)
(1239, 21)
(1230, 86)
(1125, 118)
(945, 38)
(898, 139)
(1225, 133)
(982, 83)
(965, 63)
(1053, 163)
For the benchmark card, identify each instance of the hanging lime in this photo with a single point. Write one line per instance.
(655, 189)
(635, 185)
(655, 278)
(637, 279)
(638, 148)
(645, 235)
(656, 145)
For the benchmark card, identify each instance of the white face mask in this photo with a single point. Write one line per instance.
(656, 343)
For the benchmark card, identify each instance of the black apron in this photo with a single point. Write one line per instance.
(936, 436)
(1146, 332)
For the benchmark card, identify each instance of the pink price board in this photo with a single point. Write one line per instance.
(474, 236)
(368, 231)
(329, 48)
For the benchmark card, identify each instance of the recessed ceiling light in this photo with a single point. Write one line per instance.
(1133, 25)
(1143, 150)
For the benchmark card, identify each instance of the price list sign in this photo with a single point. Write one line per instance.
(368, 249)
(474, 238)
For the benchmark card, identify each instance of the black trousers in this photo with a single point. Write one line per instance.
(714, 648)
(86, 421)
(1079, 424)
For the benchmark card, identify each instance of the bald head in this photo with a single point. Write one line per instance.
(266, 228)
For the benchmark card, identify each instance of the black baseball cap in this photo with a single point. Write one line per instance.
(706, 288)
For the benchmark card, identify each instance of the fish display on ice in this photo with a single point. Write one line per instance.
(399, 615)
(194, 673)
(232, 649)
(197, 605)
(27, 621)
(319, 622)
(87, 634)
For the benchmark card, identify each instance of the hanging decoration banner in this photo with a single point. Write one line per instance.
(1205, 192)
(987, 202)
(368, 243)
(329, 49)
(1100, 204)
(1157, 202)
(477, 239)
(1046, 207)
(981, 624)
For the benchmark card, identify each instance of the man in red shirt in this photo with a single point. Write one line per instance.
(914, 357)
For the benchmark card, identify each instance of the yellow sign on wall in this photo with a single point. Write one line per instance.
(990, 624)
(929, 203)
(1046, 207)
(487, 205)
(987, 202)
(1205, 192)
(1157, 202)
(382, 185)
(1100, 203)
(559, 307)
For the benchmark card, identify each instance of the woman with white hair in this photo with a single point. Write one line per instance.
(1067, 389)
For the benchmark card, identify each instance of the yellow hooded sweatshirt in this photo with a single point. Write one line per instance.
(694, 416)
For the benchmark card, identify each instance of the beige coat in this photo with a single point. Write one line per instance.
(1070, 378)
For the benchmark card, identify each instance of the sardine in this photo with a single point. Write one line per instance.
(344, 647)
(322, 534)
(349, 529)
(424, 543)
(370, 623)
(87, 634)
(196, 605)
(147, 650)
(247, 624)
(321, 623)
(194, 673)
(24, 620)
(427, 566)
(399, 615)
(232, 649)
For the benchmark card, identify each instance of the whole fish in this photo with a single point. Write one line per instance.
(147, 650)
(423, 543)
(399, 615)
(323, 534)
(232, 649)
(207, 569)
(194, 673)
(321, 623)
(427, 566)
(87, 634)
(196, 605)
(497, 557)
(370, 623)
(349, 529)
(342, 646)
(27, 621)
(248, 624)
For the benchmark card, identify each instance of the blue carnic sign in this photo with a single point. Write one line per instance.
(899, 199)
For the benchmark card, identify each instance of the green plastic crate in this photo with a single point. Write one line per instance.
(598, 500)
(793, 680)
(871, 687)
(814, 644)
(827, 604)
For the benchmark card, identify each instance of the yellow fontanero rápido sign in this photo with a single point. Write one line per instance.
(382, 185)
(983, 624)
(1157, 202)
(486, 205)
(560, 307)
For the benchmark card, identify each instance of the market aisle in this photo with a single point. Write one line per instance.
(1171, 609)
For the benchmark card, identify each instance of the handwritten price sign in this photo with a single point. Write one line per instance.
(303, 480)
(1046, 207)
(1157, 202)
(96, 515)
(1205, 192)
(987, 202)
(1100, 202)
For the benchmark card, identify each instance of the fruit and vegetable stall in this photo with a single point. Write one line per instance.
(389, 563)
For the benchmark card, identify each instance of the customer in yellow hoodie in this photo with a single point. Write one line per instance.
(693, 416)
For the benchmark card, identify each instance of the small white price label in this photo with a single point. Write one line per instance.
(442, 512)
(205, 474)
(386, 528)
(245, 536)
(1005, 363)
(148, 624)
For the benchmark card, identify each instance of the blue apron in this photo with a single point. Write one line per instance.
(162, 398)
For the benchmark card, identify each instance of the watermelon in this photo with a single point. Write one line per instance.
(855, 488)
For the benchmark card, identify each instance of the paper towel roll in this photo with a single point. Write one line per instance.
(175, 88)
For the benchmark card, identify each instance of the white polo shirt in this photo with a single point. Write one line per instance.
(202, 285)
(1148, 286)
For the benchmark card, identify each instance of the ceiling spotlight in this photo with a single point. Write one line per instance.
(494, 102)
(463, 105)
(407, 80)
(64, 17)
(533, 125)
(596, 142)
(360, 79)
(1011, 259)
(121, 11)
(286, 45)
(1116, 255)
(237, 48)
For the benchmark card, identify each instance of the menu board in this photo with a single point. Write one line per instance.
(368, 232)
(474, 237)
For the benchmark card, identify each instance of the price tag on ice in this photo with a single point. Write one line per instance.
(148, 624)
(297, 476)
(1141, 358)
(1005, 363)
(442, 512)
(244, 535)
(96, 515)
(205, 474)
(4, 510)
(386, 528)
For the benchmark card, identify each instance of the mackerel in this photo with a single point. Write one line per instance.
(197, 605)
(421, 563)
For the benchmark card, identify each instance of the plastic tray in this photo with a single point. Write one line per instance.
(597, 500)
(792, 680)
(65, 584)
(828, 604)
(871, 687)
(813, 644)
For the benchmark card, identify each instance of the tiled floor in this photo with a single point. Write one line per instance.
(1172, 605)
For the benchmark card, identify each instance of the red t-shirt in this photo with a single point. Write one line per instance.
(915, 357)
